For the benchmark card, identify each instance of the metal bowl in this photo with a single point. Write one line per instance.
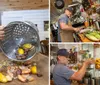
(16, 34)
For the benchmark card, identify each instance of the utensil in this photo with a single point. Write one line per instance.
(59, 4)
(18, 33)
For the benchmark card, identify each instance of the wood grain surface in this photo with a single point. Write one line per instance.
(23, 4)
(42, 64)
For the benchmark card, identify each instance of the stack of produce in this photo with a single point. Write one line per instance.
(23, 51)
(97, 63)
(93, 35)
(24, 72)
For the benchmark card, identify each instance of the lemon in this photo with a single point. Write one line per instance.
(27, 46)
(34, 69)
(20, 51)
(3, 78)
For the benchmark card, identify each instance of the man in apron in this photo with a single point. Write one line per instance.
(65, 30)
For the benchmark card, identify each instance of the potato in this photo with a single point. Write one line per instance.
(19, 71)
(21, 78)
(26, 71)
(30, 78)
(9, 78)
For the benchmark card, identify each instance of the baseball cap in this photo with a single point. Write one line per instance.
(69, 9)
(63, 52)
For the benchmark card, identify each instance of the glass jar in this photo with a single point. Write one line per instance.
(86, 23)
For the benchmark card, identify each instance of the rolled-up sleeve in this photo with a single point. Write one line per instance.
(63, 19)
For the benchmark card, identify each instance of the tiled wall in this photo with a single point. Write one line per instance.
(36, 16)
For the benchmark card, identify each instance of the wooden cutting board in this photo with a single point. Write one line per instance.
(42, 67)
(83, 38)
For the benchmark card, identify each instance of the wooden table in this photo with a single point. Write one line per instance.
(42, 67)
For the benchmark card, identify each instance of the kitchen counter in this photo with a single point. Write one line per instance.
(85, 39)
(42, 65)
(80, 37)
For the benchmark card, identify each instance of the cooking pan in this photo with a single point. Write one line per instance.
(59, 4)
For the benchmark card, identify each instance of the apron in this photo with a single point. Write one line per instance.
(66, 35)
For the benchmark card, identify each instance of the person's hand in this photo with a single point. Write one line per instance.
(82, 27)
(1, 32)
(77, 29)
(89, 62)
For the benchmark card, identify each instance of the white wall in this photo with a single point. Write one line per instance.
(36, 16)
(68, 46)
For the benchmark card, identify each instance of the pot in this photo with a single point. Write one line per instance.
(59, 4)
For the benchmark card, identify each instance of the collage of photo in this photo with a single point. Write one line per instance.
(74, 47)
(49, 42)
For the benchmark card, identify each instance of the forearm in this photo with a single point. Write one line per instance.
(67, 27)
(80, 74)
(63, 26)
